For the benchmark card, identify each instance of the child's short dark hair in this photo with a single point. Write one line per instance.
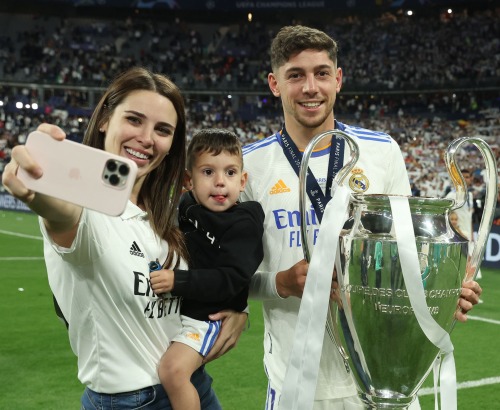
(213, 141)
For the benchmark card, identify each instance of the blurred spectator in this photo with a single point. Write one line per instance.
(496, 216)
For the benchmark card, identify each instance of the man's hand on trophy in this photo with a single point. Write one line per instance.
(291, 282)
(471, 291)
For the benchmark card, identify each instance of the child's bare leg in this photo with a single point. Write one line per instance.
(176, 368)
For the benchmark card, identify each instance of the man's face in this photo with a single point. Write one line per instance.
(307, 84)
(468, 178)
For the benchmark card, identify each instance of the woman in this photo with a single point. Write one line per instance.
(118, 327)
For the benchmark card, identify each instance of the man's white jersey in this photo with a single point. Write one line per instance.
(274, 184)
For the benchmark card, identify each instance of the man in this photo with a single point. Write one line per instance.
(306, 78)
(466, 212)
(496, 215)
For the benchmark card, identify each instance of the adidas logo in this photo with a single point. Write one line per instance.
(135, 250)
(279, 188)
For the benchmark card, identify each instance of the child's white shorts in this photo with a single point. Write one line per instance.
(198, 334)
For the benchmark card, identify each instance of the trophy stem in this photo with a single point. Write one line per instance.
(386, 403)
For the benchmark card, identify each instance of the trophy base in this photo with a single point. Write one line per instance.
(385, 399)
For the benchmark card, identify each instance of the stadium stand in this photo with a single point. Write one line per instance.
(418, 78)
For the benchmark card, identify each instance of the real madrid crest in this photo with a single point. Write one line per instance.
(358, 182)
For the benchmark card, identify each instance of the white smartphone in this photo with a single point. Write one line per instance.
(77, 173)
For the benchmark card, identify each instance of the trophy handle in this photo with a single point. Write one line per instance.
(344, 171)
(491, 195)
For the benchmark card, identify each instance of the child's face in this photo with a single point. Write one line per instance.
(454, 220)
(216, 181)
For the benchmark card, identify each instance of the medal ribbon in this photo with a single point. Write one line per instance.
(335, 163)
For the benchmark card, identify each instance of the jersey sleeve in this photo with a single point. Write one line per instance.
(263, 286)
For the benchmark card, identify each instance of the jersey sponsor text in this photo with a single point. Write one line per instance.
(156, 308)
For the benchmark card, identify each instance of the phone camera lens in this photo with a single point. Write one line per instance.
(114, 179)
(123, 169)
(111, 166)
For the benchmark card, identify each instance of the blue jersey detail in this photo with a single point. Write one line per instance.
(369, 135)
(260, 144)
(357, 132)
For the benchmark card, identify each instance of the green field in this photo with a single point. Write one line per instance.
(38, 368)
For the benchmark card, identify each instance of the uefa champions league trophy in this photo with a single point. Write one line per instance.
(374, 324)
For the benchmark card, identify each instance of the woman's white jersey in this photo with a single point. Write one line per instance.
(118, 327)
(274, 184)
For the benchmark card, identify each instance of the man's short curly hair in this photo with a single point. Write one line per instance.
(291, 40)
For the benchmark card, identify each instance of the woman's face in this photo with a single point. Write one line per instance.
(141, 128)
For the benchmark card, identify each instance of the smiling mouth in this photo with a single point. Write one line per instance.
(137, 154)
(311, 104)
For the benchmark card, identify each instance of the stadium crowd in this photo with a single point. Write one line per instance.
(395, 61)
(393, 51)
(423, 139)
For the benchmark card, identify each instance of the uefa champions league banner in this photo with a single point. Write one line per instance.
(492, 251)
(248, 5)
(9, 203)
